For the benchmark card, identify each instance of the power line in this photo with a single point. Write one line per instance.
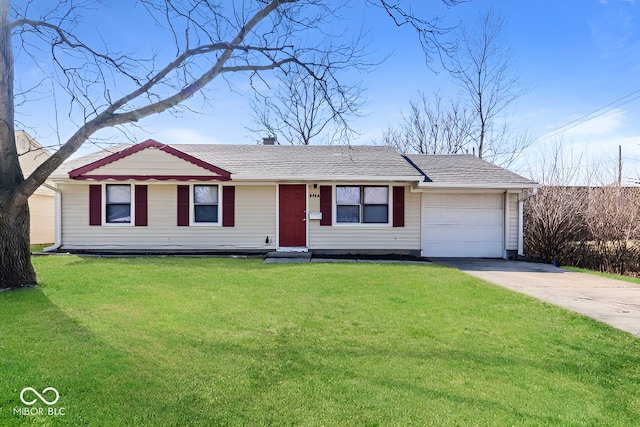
(592, 115)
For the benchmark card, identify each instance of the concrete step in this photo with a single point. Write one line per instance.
(302, 255)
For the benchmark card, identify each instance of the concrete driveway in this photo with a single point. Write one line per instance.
(611, 301)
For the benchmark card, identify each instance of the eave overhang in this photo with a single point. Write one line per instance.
(494, 186)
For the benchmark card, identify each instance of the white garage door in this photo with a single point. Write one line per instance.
(462, 225)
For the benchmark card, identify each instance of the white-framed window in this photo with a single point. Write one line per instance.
(117, 207)
(205, 204)
(362, 204)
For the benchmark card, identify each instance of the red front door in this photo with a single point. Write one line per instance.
(292, 213)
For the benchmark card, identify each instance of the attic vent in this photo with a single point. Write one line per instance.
(270, 140)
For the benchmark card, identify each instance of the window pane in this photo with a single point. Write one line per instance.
(348, 213)
(206, 213)
(376, 195)
(118, 213)
(118, 194)
(375, 214)
(207, 194)
(348, 195)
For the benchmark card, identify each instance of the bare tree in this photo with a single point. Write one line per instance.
(554, 219)
(302, 108)
(483, 67)
(613, 219)
(441, 127)
(210, 40)
(592, 225)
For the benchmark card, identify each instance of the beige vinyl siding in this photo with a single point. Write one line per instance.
(44, 191)
(31, 154)
(149, 162)
(513, 217)
(363, 237)
(42, 202)
(255, 213)
(42, 211)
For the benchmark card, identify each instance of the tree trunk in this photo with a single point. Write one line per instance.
(16, 270)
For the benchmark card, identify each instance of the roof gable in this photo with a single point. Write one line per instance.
(30, 153)
(144, 160)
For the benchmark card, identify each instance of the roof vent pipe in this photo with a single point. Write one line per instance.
(270, 140)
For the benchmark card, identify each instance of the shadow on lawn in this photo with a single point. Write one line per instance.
(173, 261)
(150, 373)
(43, 346)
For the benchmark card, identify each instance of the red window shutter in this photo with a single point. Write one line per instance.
(95, 205)
(141, 205)
(228, 206)
(183, 205)
(326, 192)
(398, 206)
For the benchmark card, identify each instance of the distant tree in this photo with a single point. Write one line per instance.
(554, 218)
(301, 108)
(483, 67)
(437, 127)
(208, 40)
(613, 219)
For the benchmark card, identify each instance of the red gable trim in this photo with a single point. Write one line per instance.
(156, 177)
(150, 143)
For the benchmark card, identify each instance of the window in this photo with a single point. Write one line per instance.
(118, 204)
(205, 203)
(367, 205)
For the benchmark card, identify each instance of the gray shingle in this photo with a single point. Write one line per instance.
(285, 162)
(465, 169)
(295, 161)
(281, 162)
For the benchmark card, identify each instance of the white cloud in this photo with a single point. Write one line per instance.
(598, 127)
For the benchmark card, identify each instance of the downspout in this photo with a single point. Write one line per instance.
(58, 219)
(521, 201)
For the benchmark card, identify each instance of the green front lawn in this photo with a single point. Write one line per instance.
(608, 275)
(180, 341)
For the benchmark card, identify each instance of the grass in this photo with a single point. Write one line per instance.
(608, 275)
(39, 248)
(183, 341)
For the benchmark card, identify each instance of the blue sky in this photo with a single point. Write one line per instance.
(576, 55)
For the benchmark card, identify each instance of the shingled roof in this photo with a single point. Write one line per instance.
(283, 162)
(303, 162)
(334, 162)
(465, 171)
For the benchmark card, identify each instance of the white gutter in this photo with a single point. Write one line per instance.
(534, 191)
(241, 179)
(497, 186)
(325, 178)
(58, 219)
